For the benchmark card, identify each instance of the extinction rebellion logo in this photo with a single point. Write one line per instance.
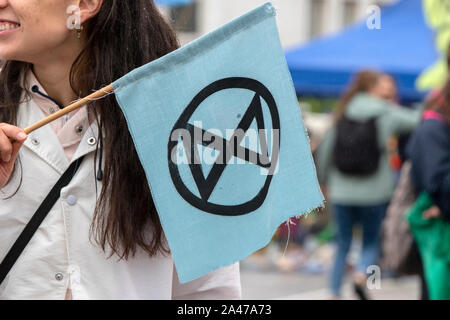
(189, 137)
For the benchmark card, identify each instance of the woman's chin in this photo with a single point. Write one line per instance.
(7, 54)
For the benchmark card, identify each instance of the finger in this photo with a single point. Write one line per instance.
(13, 132)
(6, 147)
(9, 166)
(431, 213)
(8, 135)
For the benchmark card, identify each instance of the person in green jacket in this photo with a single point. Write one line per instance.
(356, 198)
(429, 153)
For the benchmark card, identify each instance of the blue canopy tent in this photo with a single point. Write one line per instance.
(403, 47)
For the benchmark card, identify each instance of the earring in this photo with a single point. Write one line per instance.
(79, 32)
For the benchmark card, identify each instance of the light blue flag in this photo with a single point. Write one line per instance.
(218, 130)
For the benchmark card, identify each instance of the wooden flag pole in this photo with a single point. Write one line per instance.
(94, 96)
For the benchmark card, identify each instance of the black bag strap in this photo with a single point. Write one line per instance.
(39, 216)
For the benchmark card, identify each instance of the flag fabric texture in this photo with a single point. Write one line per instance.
(218, 130)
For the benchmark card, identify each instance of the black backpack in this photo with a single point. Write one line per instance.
(356, 149)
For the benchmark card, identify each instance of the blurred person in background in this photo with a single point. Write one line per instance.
(387, 88)
(354, 169)
(400, 252)
(429, 152)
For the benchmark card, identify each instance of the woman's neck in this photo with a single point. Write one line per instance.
(53, 72)
(55, 81)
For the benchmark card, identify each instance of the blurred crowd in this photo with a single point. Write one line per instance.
(385, 172)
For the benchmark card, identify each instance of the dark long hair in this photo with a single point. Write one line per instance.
(124, 35)
(363, 82)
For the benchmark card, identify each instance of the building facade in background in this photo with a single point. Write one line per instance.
(298, 20)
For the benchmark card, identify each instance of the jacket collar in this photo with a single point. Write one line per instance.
(44, 142)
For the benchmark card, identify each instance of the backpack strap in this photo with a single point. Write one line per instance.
(39, 216)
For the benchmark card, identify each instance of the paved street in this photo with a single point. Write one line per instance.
(262, 280)
(296, 286)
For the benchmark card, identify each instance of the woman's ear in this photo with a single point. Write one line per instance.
(89, 8)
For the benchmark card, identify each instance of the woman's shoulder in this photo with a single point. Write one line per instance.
(364, 99)
(366, 105)
(430, 134)
(434, 126)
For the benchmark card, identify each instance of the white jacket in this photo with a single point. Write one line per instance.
(62, 246)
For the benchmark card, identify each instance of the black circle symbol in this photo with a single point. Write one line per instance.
(207, 185)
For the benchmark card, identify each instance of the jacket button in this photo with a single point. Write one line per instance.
(79, 129)
(35, 141)
(71, 200)
(59, 276)
(92, 141)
